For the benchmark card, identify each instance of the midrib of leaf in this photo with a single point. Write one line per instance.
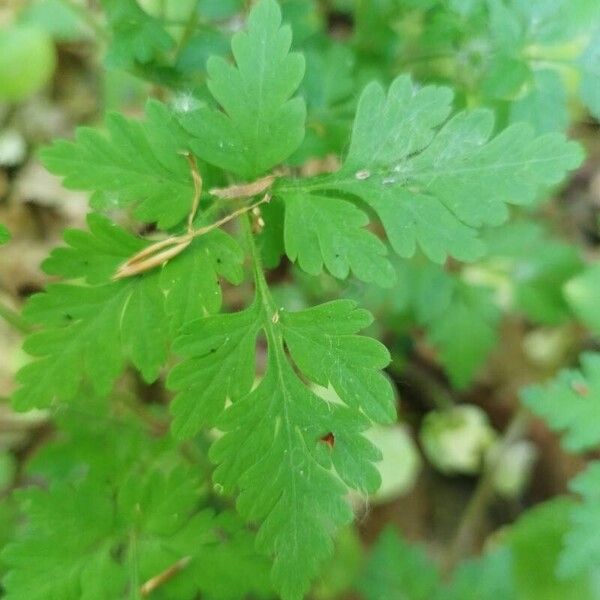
(158, 174)
(263, 62)
(275, 346)
(405, 178)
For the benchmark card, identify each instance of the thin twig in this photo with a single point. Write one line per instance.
(484, 492)
(230, 217)
(197, 179)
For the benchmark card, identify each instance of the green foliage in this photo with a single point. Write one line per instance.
(536, 542)
(581, 553)
(570, 404)
(136, 36)
(528, 60)
(538, 268)
(484, 578)
(522, 566)
(449, 307)
(259, 126)
(330, 231)
(273, 450)
(278, 401)
(433, 182)
(135, 163)
(120, 518)
(397, 569)
(91, 332)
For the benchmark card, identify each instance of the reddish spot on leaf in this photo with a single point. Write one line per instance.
(328, 439)
(580, 388)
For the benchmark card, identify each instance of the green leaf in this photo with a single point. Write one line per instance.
(135, 163)
(191, 280)
(124, 506)
(397, 569)
(544, 105)
(72, 557)
(93, 255)
(581, 552)
(90, 332)
(93, 540)
(582, 295)
(259, 126)
(330, 231)
(136, 36)
(434, 182)
(273, 451)
(449, 308)
(536, 541)
(218, 365)
(570, 404)
(537, 269)
(230, 568)
(329, 90)
(489, 577)
(506, 28)
(321, 343)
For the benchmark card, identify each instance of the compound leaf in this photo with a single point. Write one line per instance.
(191, 281)
(536, 541)
(322, 343)
(72, 557)
(274, 450)
(434, 182)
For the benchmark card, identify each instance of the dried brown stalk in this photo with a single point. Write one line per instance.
(245, 190)
(158, 580)
(160, 252)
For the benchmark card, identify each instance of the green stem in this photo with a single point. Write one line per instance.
(262, 287)
(484, 492)
(190, 27)
(133, 560)
(13, 318)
